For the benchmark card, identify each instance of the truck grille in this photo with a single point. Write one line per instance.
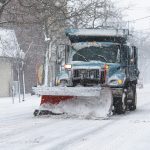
(86, 73)
(92, 74)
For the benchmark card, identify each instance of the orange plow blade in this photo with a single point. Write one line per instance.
(97, 104)
(46, 99)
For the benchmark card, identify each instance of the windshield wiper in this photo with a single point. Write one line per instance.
(80, 54)
(102, 57)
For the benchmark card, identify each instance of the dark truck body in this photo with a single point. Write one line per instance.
(103, 57)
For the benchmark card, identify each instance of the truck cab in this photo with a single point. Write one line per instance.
(102, 57)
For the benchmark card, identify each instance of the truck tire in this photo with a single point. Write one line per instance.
(119, 105)
(132, 106)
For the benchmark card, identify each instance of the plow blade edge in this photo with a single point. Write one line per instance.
(79, 101)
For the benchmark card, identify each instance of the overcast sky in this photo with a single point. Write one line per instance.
(138, 9)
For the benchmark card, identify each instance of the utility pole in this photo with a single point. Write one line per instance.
(22, 56)
(18, 70)
(128, 25)
(23, 81)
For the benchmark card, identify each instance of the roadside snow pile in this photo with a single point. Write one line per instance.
(8, 109)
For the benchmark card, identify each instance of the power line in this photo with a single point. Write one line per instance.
(138, 19)
(145, 29)
(141, 30)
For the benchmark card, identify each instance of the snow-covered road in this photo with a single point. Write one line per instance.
(19, 130)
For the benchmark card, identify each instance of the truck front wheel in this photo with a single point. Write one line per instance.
(132, 106)
(132, 100)
(119, 104)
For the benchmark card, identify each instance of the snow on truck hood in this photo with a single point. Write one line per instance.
(91, 64)
(87, 65)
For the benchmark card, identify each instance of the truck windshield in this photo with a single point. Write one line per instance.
(109, 54)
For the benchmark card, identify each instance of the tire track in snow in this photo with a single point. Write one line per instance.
(43, 130)
(75, 138)
(25, 126)
(121, 136)
(44, 140)
(66, 140)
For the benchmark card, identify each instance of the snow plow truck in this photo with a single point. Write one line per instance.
(97, 75)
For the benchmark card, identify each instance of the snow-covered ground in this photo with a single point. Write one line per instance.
(19, 130)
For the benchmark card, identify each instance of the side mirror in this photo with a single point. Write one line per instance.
(60, 53)
(67, 49)
(133, 55)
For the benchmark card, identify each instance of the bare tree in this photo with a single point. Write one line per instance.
(51, 17)
(99, 13)
(3, 4)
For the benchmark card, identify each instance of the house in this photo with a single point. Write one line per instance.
(6, 76)
(8, 51)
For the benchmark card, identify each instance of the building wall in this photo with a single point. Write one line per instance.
(5, 78)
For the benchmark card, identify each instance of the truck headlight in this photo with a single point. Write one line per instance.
(67, 66)
(120, 82)
(116, 82)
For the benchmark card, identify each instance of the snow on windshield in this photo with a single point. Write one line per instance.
(96, 51)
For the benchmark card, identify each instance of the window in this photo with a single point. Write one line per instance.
(108, 53)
